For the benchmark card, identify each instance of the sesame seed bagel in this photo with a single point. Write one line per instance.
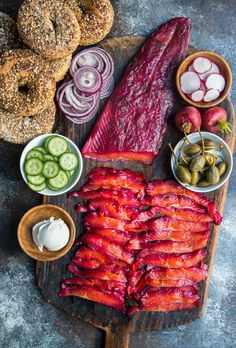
(21, 131)
(25, 86)
(9, 37)
(60, 67)
(48, 27)
(56, 68)
(95, 18)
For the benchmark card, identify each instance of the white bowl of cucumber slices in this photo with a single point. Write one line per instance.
(51, 164)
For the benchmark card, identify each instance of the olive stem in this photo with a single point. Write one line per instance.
(186, 138)
(176, 162)
(203, 147)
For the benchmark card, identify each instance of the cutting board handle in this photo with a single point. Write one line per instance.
(117, 339)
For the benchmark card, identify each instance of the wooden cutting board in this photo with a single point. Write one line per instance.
(49, 274)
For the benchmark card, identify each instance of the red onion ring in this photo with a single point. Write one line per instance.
(93, 60)
(74, 109)
(107, 88)
(88, 80)
(82, 120)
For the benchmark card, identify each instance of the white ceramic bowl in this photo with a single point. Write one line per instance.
(39, 141)
(225, 153)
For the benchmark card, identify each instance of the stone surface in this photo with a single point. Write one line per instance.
(26, 320)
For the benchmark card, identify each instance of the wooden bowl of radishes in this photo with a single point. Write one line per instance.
(204, 79)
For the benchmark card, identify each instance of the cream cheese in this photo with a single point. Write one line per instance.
(52, 234)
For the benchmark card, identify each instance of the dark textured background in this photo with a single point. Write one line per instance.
(26, 321)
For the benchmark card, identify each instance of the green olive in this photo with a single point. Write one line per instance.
(185, 160)
(197, 163)
(213, 175)
(210, 159)
(196, 176)
(183, 174)
(203, 183)
(207, 142)
(222, 167)
(192, 149)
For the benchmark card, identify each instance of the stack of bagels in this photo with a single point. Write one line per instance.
(51, 30)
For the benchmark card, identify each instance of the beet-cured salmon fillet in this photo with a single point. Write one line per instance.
(172, 200)
(107, 298)
(181, 214)
(170, 260)
(102, 171)
(195, 273)
(117, 275)
(164, 307)
(113, 235)
(173, 224)
(108, 207)
(136, 243)
(169, 246)
(133, 123)
(112, 249)
(169, 283)
(123, 196)
(99, 283)
(163, 187)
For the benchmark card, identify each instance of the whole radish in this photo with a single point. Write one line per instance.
(215, 120)
(188, 119)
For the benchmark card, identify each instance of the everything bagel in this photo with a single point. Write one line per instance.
(58, 68)
(9, 37)
(25, 86)
(48, 27)
(20, 131)
(95, 18)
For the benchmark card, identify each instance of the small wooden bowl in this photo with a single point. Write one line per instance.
(37, 214)
(224, 68)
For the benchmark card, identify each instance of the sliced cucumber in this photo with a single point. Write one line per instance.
(47, 141)
(68, 161)
(40, 149)
(60, 181)
(51, 187)
(33, 166)
(57, 146)
(37, 188)
(36, 180)
(48, 157)
(72, 172)
(56, 158)
(34, 154)
(50, 169)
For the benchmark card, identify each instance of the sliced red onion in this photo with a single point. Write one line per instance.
(85, 119)
(86, 58)
(71, 106)
(107, 88)
(94, 57)
(109, 64)
(88, 80)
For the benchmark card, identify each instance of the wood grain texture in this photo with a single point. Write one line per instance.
(116, 324)
(32, 217)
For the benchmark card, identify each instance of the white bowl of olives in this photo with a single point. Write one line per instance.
(202, 162)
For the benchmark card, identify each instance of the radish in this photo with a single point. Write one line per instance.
(216, 81)
(188, 120)
(201, 65)
(191, 68)
(197, 96)
(214, 69)
(211, 94)
(189, 82)
(215, 120)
